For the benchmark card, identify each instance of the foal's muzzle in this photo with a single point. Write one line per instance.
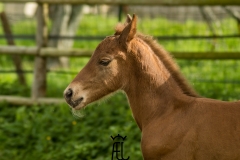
(68, 95)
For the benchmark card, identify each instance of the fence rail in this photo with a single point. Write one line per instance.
(54, 52)
(31, 101)
(44, 52)
(134, 2)
(84, 38)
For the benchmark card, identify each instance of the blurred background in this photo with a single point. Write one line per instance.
(208, 35)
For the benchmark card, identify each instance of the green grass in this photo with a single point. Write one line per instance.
(52, 132)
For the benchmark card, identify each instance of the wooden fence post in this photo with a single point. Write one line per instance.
(16, 58)
(40, 70)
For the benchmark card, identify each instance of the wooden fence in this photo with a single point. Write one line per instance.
(41, 52)
(54, 52)
(135, 2)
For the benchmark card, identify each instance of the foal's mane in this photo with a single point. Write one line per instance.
(167, 60)
(170, 65)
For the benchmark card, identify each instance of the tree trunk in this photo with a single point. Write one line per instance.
(65, 21)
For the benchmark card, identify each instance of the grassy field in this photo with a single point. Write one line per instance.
(52, 132)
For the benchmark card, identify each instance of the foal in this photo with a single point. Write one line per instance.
(176, 123)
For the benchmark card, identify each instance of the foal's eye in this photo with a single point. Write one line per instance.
(104, 62)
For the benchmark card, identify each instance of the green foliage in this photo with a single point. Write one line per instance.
(52, 132)
(213, 78)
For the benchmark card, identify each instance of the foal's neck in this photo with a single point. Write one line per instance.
(151, 91)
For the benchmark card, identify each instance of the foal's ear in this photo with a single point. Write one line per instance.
(128, 19)
(129, 31)
(120, 27)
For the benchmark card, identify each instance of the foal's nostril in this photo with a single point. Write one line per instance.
(69, 93)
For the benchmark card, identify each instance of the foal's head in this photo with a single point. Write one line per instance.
(107, 70)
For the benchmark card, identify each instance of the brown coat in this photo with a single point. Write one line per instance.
(175, 122)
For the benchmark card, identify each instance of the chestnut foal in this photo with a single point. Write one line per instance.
(176, 123)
